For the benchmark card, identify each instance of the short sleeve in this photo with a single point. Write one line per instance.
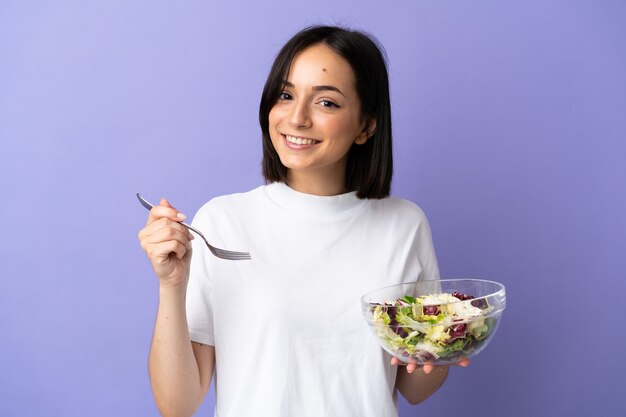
(426, 251)
(199, 291)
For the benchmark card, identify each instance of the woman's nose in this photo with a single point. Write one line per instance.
(300, 115)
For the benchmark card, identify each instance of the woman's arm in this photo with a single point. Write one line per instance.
(416, 383)
(180, 370)
(419, 385)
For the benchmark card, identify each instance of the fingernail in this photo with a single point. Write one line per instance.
(181, 216)
(188, 245)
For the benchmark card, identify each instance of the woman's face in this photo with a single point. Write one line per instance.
(317, 117)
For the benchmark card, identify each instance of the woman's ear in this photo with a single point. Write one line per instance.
(368, 131)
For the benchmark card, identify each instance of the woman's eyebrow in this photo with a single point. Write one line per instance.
(328, 87)
(317, 87)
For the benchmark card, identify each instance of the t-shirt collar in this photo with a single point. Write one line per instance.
(310, 205)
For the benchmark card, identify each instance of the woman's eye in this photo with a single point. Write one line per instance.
(284, 96)
(328, 103)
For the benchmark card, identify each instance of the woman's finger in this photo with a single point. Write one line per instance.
(463, 362)
(428, 368)
(163, 223)
(165, 209)
(160, 252)
(410, 367)
(167, 224)
(167, 234)
(164, 230)
(396, 361)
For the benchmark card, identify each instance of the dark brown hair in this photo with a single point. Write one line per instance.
(370, 165)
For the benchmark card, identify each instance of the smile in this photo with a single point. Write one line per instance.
(295, 140)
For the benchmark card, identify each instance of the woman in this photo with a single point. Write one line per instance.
(283, 331)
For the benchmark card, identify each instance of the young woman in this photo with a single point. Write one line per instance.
(283, 332)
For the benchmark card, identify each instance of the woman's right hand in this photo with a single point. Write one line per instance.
(167, 244)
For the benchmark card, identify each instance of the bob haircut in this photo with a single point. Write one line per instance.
(370, 165)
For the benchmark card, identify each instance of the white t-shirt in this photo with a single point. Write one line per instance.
(287, 328)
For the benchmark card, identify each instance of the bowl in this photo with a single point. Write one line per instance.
(437, 322)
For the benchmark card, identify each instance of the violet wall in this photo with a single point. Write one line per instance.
(510, 128)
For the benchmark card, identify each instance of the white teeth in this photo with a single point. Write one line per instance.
(300, 141)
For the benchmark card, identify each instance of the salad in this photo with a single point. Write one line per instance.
(433, 328)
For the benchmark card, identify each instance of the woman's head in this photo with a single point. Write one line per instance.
(368, 164)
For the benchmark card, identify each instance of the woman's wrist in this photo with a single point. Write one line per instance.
(171, 290)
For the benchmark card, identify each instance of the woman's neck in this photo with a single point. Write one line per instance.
(320, 182)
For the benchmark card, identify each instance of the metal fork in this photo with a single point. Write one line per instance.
(220, 253)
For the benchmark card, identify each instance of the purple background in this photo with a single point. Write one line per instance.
(510, 128)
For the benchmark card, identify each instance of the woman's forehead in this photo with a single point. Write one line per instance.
(320, 65)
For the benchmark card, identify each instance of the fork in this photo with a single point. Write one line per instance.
(220, 253)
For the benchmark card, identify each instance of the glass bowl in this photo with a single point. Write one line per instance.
(436, 322)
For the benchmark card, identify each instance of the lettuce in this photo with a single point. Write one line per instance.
(411, 329)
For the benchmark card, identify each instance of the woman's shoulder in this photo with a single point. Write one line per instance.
(399, 206)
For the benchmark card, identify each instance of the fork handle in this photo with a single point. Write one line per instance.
(149, 206)
(193, 229)
(144, 202)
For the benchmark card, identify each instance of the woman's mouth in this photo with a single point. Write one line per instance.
(296, 142)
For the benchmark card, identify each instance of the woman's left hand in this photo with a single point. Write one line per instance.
(427, 368)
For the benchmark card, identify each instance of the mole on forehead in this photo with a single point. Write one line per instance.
(324, 69)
